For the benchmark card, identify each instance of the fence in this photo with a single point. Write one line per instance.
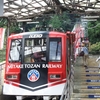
(68, 88)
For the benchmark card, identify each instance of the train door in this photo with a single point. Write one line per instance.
(57, 61)
(33, 76)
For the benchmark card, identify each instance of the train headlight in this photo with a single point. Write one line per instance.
(55, 76)
(12, 77)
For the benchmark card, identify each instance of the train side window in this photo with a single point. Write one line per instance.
(35, 50)
(55, 49)
(15, 50)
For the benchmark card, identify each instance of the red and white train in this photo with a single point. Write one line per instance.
(38, 63)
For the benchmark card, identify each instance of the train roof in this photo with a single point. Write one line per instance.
(36, 32)
(27, 33)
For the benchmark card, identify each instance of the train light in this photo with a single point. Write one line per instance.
(55, 76)
(12, 77)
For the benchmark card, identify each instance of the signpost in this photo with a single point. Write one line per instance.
(2, 34)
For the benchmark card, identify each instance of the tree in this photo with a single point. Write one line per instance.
(62, 21)
(55, 22)
(15, 29)
(94, 31)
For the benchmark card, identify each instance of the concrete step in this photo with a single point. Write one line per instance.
(85, 99)
(86, 91)
(86, 69)
(86, 95)
(86, 72)
(82, 77)
(86, 80)
(86, 75)
(87, 87)
(87, 83)
(93, 67)
(78, 70)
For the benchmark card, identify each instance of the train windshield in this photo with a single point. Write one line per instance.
(15, 50)
(55, 49)
(35, 50)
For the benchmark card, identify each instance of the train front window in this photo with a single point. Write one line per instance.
(55, 49)
(15, 50)
(35, 50)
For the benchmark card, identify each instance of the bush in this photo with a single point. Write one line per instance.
(95, 48)
(15, 29)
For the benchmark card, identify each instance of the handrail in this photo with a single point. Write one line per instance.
(68, 88)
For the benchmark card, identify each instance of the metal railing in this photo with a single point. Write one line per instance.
(68, 88)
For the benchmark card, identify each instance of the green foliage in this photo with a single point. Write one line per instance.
(95, 48)
(55, 22)
(3, 22)
(3, 52)
(61, 22)
(15, 29)
(94, 31)
(32, 29)
(65, 21)
(2, 55)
